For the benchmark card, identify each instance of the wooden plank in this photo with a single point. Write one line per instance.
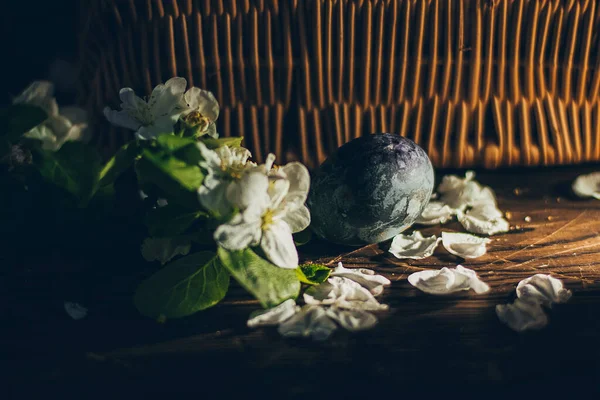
(456, 340)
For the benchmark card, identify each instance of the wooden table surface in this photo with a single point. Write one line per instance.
(423, 345)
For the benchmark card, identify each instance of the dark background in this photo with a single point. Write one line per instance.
(34, 36)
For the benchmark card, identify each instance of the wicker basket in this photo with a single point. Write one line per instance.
(474, 82)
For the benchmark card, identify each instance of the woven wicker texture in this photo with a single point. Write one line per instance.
(489, 83)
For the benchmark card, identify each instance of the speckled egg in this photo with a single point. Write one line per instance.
(370, 189)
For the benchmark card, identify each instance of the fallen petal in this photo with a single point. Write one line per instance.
(310, 321)
(521, 315)
(587, 185)
(435, 212)
(364, 277)
(352, 320)
(464, 245)
(413, 246)
(447, 280)
(474, 224)
(542, 289)
(273, 316)
(75, 310)
(342, 293)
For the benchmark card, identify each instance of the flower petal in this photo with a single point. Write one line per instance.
(203, 101)
(211, 159)
(250, 191)
(542, 289)
(278, 189)
(273, 316)
(298, 219)
(121, 118)
(238, 234)
(464, 245)
(364, 277)
(166, 98)
(211, 131)
(75, 310)
(435, 212)
(343, 293)
(161, 126)
(215, 199)
(278, 244)
(447, 280)
(587, 185)
(352, 320)
(311, 321)
(130, 101)
(476, 222)
(76, 115)
(413, 246)
(521, 315)
(40, 94)
(46, 135)
(299, 179)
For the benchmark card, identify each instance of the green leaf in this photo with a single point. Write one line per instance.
(75, 168)
(173, 143)
(183, 287)
(313, 274)
(303, 237)
(176, 178)
(185, 149)
(270, 284)
(212, 143)
(19, 119)
(118, 163)
(164, 249)
(171, 220)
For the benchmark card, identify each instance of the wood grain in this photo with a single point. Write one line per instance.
(455, 341)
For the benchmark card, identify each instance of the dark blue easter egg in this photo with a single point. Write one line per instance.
(370, 189)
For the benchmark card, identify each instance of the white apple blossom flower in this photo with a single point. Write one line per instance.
(201, 111)
(413, 246)
(225, 166)
(153, 117)
(62, 125)
(271, 209)
(464, 245)
(447, 280)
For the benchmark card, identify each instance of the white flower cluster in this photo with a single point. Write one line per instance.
(270, 201)
(417, 247)
(266, 201)
(347, 298)
(62, 125)
(473, 204)
(168, 103)
(532, 293)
